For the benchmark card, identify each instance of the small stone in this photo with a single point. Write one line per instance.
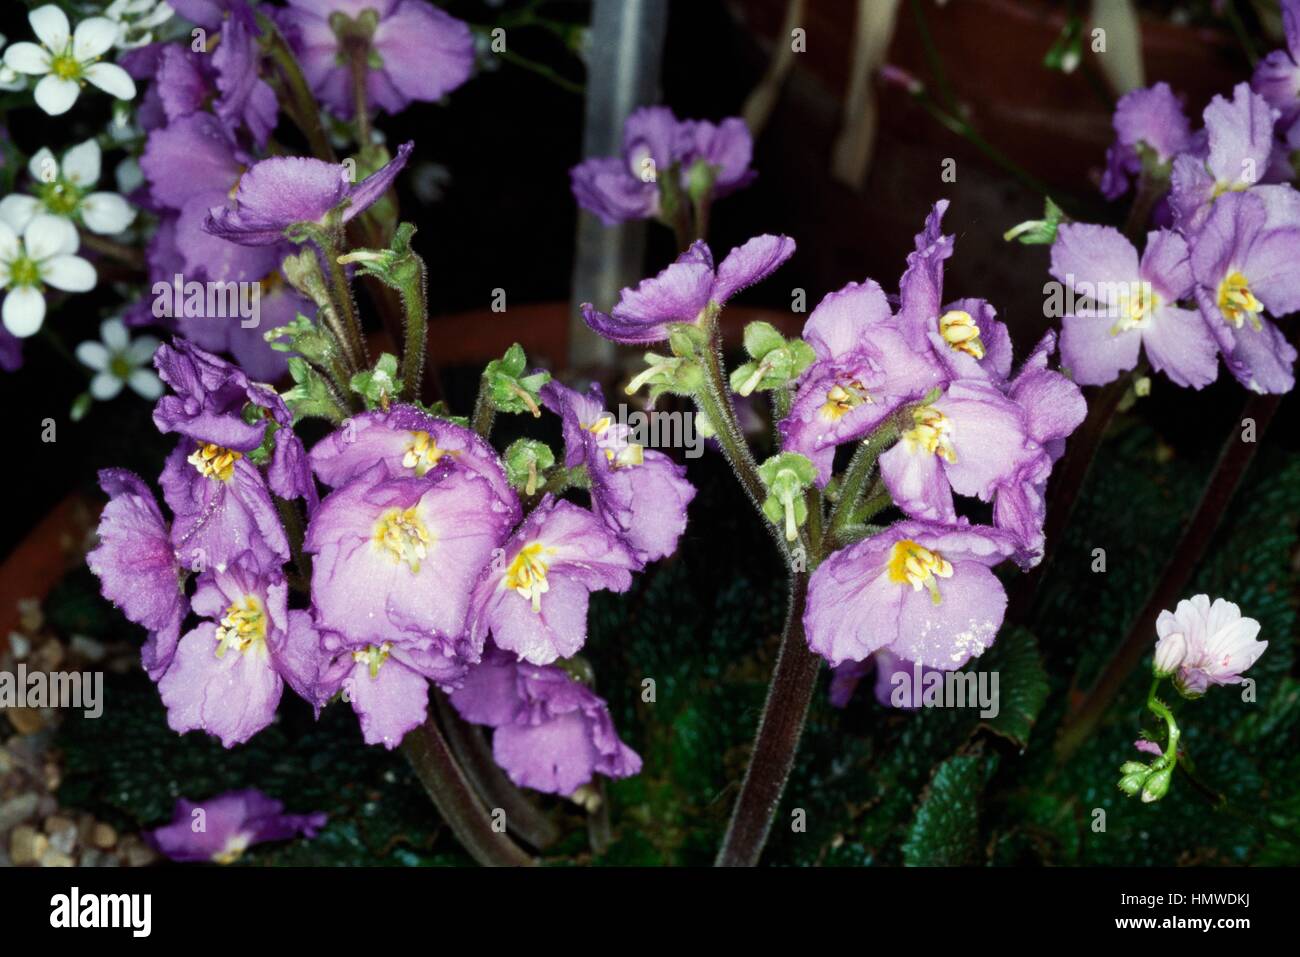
(25, 720)
(103, 836)
(27, 845)
(30, 615)
(87, 648)
(49, 656)
(16, 810)
(57, 822)
(62, 839)
(53, 858)
(53, 777)
(20, 645)
(135, 852)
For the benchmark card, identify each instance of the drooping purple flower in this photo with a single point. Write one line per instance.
(222, 828)
(277, 193)
(1150, 119)
(1277, 76)
(533, 600)
(924, 591)
(967, 441)
(640, 494)
(245, 99)
(682, 291)
(1239, 147)
(415, 52)
(904, 692)
(210, 396)
(1130, 304)
(864, 370)
(228, 673)
(398, 557)
(137, 566)
(1243, 262)
(551, 733)
(726, 147)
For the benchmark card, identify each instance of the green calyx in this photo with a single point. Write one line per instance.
(786, 476)
(775, 361)
(527, 460)
(1038, 232)
(509, 389)
(380, 385)
(60, 198)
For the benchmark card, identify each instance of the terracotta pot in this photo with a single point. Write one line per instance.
(45, 555)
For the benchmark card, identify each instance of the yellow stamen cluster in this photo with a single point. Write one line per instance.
(243, 626)
(932, 433)
(1138, 306)
(842, 399)
(373, 656)
(915, 565)
(627, 455)
(527, 574)
(423, 453)
(959, 329)
(402, 534)
(214, 462)
(1238, 303)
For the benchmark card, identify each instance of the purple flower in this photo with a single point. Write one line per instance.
(904, 693)
(924, 591)
(1244, 266)
(533, 600)
(726, 147)
(640, 494)
(1221, 644)
(681, 292)
(228, 673)
(413, 50)
(221, 828)
(1277, 76)
(137, 567)
(210, 398)
(1150, 119)
(864, 370)
(279, 192)
(552, 733)
(397, 558)
(245, 100)
(968, 440)
(1131, 304)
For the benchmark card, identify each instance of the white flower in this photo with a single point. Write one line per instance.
(1220, 643)
(63, 190)
(42, 256)
(9, 80)
(118, 361)
(66, 61)
(136, 20)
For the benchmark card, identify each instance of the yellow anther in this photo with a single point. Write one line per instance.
(915, 565)
(1136, 306)
(214, 462)
(402, 534)
(527, 574)
(932, 433)
(960, 330)
(842, 399)
(373, 656)
(422, 454)
(243, 626)
(1238, 303)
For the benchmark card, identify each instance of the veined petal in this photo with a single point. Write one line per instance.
(56, 95)
(93, 37)
(47, 236)
(28, 58)
(69, 273)
(106, 213)
(51, 27)
(81, 164)
(112, 79)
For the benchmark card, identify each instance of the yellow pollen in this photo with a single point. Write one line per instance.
(243, 626)
(404, 536)
(915, 565)
(527, 574)
(65, 67)
(1135, 308)
(600, 426)
(932, 433)
(214, 462)
(373, 656)
(423, 453)
(1238, 303)
(626, 457)
(843, 399)
(959, 329)
(233, 850)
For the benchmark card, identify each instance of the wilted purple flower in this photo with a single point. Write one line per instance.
(279, 192)
(641, 494)
(137, 566)
(1243, 262)
(552, 733)
(1150, 119)
(1221, 644)
(398, 557)
(210, 398)
(682, 291)
(413, 50)
(533, 599)
(229, 672)
(924, 591)
(1130, 304)
(725, 147)
(221, 828)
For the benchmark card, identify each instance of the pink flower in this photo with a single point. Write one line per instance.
(1221, 644)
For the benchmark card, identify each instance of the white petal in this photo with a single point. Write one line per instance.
(17, 210)
(69, 273)
(51, 27)
(47, 236)
(11, 79)
(129, 176)
(93, 37)
(146, 384)
(141, 350)
(106, 213)
(93, 354)
(81, 164)
(28, 58)
(56, 95)
(43, 167)
(8, 244)
(24, 311)
(114, 335)
(112, 79)
(105, 386)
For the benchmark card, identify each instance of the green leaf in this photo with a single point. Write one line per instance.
(1022, 684)
(945, 832)
(311, 396)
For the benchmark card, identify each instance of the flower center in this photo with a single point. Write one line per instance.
(626, 455)
(24, 271)
(1137, 305)
(843, 398)
(423, 453)
(404, 536)
(373, 656)
(214, 462)
(527, 574)
(61, 198)
(915, 565)
(959, 329)
(65, 67)
(932, 433)
(1238, 303)
(243, 626)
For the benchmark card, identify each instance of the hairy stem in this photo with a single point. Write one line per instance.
(299, 103)
(416, 324)
(484, 412)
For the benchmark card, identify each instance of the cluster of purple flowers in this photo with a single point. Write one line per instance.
(1217, 265)
(424, 568)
